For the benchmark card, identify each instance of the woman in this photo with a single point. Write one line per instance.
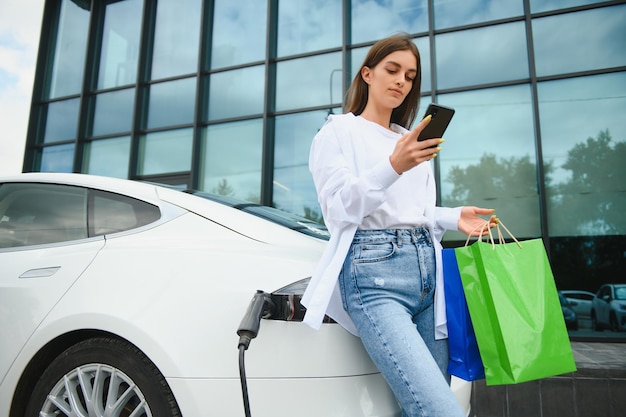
(380, 276)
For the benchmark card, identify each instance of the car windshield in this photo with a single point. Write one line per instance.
(620, 292)
(286, 219)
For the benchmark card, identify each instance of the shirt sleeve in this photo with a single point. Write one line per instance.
(344, 197)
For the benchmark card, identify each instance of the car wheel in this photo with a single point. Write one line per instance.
(613, 322)
(594, 322)
(102, 377)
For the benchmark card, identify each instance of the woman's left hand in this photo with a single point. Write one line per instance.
(470, 222)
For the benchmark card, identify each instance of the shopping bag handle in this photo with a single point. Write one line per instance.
(486, 225)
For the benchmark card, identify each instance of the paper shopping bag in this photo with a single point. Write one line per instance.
(515, 311)
(465, 361)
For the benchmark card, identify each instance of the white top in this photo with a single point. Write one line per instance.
(358, 188)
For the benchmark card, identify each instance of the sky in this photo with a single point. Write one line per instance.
(20, 26)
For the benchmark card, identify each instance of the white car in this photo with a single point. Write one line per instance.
(120, 298)
(608, 309)
(580, 301)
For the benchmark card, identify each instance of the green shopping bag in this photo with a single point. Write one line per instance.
(515, 310)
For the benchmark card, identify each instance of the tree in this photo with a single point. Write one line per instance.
(223, 188)
(507, 184)
(593, 200)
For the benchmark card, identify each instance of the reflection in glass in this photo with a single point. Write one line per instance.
(107, 157)
(537, 6)
(176, 37)
(373, 20)
(120, 44)
(236, 93)
(305, 26)
(58, 158)
(451, 13)
(172, 103)
(570, 49)
(584, 143)
(239, 32)
(294, 190)
(164, 152)
(479, 56)
(488, 159)
(61, 121)
(423, 45)
(308, 82)
(113, 112)
(232, 159)
(68, 61)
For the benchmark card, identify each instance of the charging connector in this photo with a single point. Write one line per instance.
(261, 306)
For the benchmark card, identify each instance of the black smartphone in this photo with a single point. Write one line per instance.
(441, 117)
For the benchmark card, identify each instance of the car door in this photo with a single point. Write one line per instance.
(44, 248)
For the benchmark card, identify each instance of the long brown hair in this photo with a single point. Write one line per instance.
(405, 114)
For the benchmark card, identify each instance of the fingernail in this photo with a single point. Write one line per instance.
(430, 116)
(442, 140)
(434, 155)
(437, 148)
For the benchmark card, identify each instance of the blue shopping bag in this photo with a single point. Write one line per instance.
(465, 361)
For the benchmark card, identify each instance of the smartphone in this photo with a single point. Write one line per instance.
(441, 117)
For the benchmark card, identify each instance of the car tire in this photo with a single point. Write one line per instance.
(594, 322)
(79, 382)
(613, 323)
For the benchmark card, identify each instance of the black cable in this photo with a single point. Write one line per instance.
(244, 384)
(260, 306)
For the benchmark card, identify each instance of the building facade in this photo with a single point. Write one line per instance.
(226, 96)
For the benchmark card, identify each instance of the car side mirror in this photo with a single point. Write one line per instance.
(606, 298)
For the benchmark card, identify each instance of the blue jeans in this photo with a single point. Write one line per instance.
(387, 286)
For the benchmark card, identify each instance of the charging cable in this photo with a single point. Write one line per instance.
(261, 306)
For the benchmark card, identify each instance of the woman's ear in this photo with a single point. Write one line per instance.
(365, 74)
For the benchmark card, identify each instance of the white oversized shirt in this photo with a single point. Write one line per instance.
(358, 188)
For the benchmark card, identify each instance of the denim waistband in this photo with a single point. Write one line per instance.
(399, 236)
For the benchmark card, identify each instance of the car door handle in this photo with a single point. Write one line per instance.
(40, 272)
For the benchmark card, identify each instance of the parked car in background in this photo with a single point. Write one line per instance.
(571, 321)
(608, 309)
(580, 301)
(120, 298)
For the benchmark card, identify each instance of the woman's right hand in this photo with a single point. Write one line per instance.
(409, 152)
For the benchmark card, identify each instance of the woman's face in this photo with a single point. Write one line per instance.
(391, 80)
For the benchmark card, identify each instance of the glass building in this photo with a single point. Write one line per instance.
(225, 96)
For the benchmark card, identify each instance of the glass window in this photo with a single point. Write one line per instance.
(172, 103)
(294, 190)
(584, 148)
(239, 32)
(451, 13)
(570, 49)
(59, 158)
(176, 37)
(305, 26)
(423, 45)
(113, 112)
(232, 159)
(236, 93)
(68, 60)
(373, 20)
(61, 121)
(488, 159)
(108, 157)
(479, 56)
(537, 6)
(37, 214)
(120, 44)
(114, 213)
(163, 152)
(307, 82)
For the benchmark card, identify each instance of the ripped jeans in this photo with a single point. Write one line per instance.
(387, 285)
